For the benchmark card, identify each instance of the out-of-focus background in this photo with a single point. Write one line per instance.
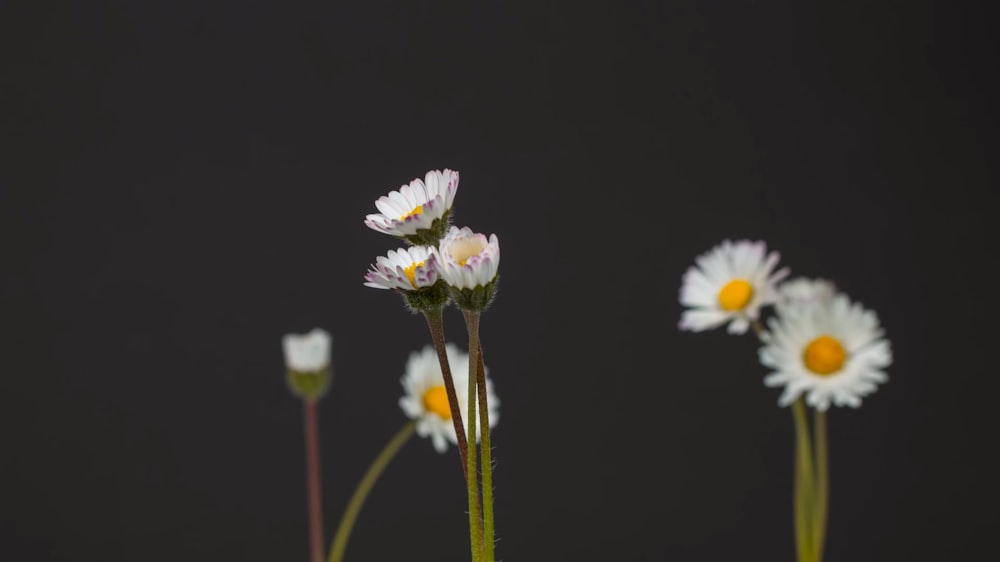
(181, 183)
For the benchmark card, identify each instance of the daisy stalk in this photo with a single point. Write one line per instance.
(365, 486)
(472, 319)
(307, 362)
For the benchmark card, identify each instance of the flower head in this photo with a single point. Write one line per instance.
(426, 399)
(420, 211)
(730, 283)
(405, 269)
(831, 351)
(307, 363)
(469, 264)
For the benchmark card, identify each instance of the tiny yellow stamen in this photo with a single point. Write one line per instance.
(411, 273)
(436, 401)
(824, 355)
(466, 248)
(414, 212)
(735, 295)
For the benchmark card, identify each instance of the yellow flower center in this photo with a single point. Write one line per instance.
(735, 295)
(465, 248)
(411, 272)
(824, 355)
(414, 212)
(436, 401)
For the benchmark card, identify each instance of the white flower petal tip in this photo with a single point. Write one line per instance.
(730, 283)
(307, 352)
(404, 269)
(425, 399)
(826, 350)
(420, 210)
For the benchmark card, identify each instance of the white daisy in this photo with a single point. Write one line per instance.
(468, 259)
(307, 352)
(426, 399)
(730, 283)
(416, 206)
(828, 350)
(405, 269)
(802, 290)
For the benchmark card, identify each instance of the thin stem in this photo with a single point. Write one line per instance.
(475, 518)
(365, 486)
(314, 490)
(436, 326)
(803, 484)
(472, 323)
(822, 483)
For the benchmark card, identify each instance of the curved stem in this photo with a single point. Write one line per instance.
(822, 483)
(365, 486)
(472, 322)
(803, 484)
(475, 518)
(436, 326)
(313, 480)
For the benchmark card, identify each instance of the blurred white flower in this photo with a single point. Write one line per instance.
(426, 399)
(406, 269)
(802, 290)
(730, 283)
(830, 351)
(307, 352)
(416, 205)
(468, 259)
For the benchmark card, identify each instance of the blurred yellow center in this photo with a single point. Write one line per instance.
(436, 401)
(411, 271)
(465, 248)
(735, 295)
(414, 212)
(824, 355)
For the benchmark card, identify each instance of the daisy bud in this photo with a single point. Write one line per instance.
(418, 212)
(413, 273)
(307, 360)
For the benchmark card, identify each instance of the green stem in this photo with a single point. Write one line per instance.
(822, 483)
(365, 486)
(313, 480)
(472, 323)
(475, 518)
(436, 326)
(803, 484)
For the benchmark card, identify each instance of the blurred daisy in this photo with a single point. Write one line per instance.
(830, 351)
(802, 290)
(426, 399)
(405, 269)
(730, 283)
(468, 259)
(307, 353)
(419, 211)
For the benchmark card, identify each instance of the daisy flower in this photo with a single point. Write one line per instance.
(830, 351)
(730, 283)
(307, 352)
(419, 212)
(405, 269)
(426, 399)
(468, 259)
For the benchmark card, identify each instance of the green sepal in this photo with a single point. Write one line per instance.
(433, 235)
(478, 298)
(310, 385)
(427, 299)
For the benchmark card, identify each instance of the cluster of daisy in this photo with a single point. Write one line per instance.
(440, 265)
(819, 343)
(821, 347)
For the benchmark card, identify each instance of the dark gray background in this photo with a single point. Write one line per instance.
(184, 182)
